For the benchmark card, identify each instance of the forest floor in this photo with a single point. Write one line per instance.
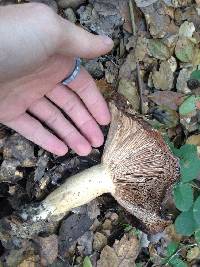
(154, 65)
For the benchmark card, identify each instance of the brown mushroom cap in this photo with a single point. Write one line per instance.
(142, 166)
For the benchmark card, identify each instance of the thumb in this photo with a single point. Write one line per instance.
(77, 42)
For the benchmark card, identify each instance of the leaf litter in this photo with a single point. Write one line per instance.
(154, 64)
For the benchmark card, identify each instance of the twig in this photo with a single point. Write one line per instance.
(140, 85)
(130, 3)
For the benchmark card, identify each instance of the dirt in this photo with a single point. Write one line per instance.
(102, 232)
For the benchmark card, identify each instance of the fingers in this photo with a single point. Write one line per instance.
(54, 119)
(33, 130)
(74, 108)
(85, 87)
(77, 42)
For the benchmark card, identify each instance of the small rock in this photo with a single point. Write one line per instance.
(158, 49)
(185, 49)
(70, 15)
(86, 242)
(95, 225)
(164, 78)
(187, 29)
(106, 232)
(181, 84)
(107, 225)
(141, 48)
(93, 209)
(128, 89)
(70, 3)
(111, 72)
(94, 67)
(127, 68)
(114, 217)
(99, 242)
(72, 228)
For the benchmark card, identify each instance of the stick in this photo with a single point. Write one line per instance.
(140, 85)
(132, 17)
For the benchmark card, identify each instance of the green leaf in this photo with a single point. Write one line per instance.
(87, 262)
(183, 196)
(185, 223)
(196, 210)
(197, 236)
(177, 262)
(189, 105)
(195, 75)
(189, 162)
(158, 50)
(172, 248)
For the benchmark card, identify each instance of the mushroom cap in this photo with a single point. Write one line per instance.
(142, 167)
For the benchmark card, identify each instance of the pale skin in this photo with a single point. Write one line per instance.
(37, 51)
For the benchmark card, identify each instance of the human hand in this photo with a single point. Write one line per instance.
(38, 50)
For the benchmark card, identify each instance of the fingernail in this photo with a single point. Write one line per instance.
(107, 40)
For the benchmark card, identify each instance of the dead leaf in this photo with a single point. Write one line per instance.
(105, 88)
(128, 89)
(48, 249)
(194, 140)
(31, 261)
(167, 98)
(123, 253)
(163, 79)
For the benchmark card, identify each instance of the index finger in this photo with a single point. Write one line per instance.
(86, 88)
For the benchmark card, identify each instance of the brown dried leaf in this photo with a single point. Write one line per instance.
(105, 88)
(19, 148)
(31, 261)
(48, 248)
(194, 140)
(167, 98)
(123, 253)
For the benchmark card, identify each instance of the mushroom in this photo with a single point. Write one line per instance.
(137, 169)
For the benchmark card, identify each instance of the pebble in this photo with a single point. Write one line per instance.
(181, 84)
(106, 232)
(107, 225)
(70, 3)
(95, 225)
(114, 217)
(70, 15)
(100, 241)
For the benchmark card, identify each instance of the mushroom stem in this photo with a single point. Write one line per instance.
(76, 191)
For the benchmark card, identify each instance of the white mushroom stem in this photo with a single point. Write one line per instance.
(76, 191)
